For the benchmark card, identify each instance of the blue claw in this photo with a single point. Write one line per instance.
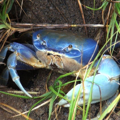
(106, 83)
(22, 58)
(12, 63)
(18, 83)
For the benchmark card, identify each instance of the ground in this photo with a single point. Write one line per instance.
(52, 12)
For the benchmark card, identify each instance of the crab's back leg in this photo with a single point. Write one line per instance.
(4, 76)
(4, 52)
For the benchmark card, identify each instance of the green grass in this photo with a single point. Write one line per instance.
(4, 17)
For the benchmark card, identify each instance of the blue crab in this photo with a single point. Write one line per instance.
(62, 51)
(105, 84)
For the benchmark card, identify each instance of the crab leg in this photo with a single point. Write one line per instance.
(22, 54)
(4, 76)
(11, 63)
(4, 52)
(11, 68)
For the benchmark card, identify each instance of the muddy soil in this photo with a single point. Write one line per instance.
(52, 12)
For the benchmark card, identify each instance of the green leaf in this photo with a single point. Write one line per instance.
(110, 107)
(57, 94)
(117, 8)
(103, 6)
(10, 6)
(3, 26)
(51, 105)
(14, 95)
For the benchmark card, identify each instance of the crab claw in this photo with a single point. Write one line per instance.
(104, 84)
(12, 63)
(5, 76)
(18, 83)
(103, 89)
(11, 68)
(22, 58)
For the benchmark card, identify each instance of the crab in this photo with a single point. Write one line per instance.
(105, 85)
(56, 50)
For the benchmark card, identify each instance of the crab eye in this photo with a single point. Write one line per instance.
(38, 36)
(44, 43)
(69, 47)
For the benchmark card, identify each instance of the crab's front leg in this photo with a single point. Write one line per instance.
(12, 63)
(21, 54)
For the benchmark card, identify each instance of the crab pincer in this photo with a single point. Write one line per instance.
(104, 84)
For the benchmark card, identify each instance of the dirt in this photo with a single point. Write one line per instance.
(52, 12)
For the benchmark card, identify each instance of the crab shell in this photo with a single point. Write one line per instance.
(65, 50)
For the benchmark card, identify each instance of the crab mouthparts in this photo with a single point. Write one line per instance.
(54, 53)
